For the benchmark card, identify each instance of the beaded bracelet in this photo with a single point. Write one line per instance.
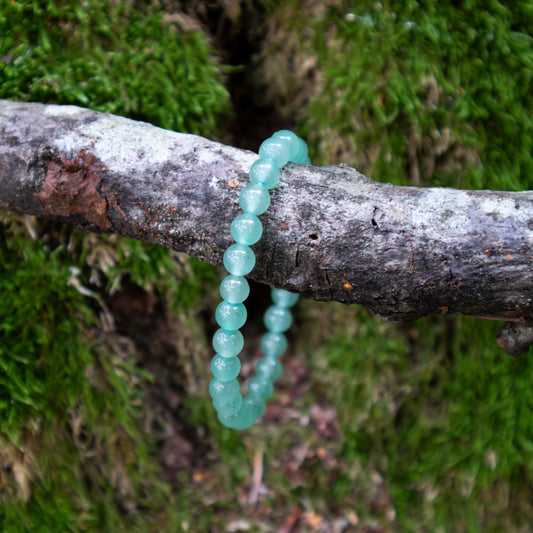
(233, 410)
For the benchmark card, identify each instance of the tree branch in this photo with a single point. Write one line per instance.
(330, 233)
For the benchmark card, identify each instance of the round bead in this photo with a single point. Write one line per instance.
(261, 387)
(254, 199)
(277, 149)
(234, 289)
(273, 344)
(292, 142)
(230, 316)
(256, 405)
(269, 367)
(224, 391)
(283, 297)
(225, 368)
(243, 419)
(228, 343)
(239, 259)
(228, 408)
(246, 229)
(302, 154)
(277, 319)
(266, 172)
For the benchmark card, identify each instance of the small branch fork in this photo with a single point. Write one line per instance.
(330, 232)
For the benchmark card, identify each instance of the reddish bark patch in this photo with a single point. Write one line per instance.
(72, 187)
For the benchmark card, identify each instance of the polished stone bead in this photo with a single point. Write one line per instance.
(273, 344)
(255, 199)
(228, 343)
(256, 405)
(270, 368)
(283, 297)
(292, 142)
(234, 289)
(266, 172)
(239, 259)
(302, 154)
(260, 386)
(243, 419)
(225, 368)
(228, 408)
(276, 149)
(224, 391)
(277, 319)
(246, 229)
(230, 316)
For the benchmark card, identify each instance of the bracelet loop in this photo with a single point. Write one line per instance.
(233, 410)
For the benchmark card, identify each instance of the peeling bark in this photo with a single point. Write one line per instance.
(330, 233)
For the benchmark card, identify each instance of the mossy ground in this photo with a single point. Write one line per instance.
(106, 421)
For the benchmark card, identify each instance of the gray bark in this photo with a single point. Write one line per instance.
(330, 232)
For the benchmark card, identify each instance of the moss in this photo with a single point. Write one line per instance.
(110, 57)
(438, 410)
(43, 354)
(68, 402)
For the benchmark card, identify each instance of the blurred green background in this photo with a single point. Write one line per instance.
(106, 423)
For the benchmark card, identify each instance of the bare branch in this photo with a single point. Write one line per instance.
(330, 233)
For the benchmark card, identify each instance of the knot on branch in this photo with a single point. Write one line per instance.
(515, 338)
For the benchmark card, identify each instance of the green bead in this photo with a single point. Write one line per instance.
(243, 419)
(292, 142)
(228, 408)
(254, 199)
(224, 391)
(225, 368)
(256, 405)
(266, 172)
(284, 298)
(302, 154)
(260, 386)
(230, 316)
(228, 343)
(276, 149)
(234, 289)
(269, 367)
(277, 319)
(246, 229)
(239, 259)
(273, 344)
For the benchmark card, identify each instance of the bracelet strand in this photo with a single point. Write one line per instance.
(233, 410)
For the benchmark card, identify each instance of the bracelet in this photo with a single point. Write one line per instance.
(233, 410)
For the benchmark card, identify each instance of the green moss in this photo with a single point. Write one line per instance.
(180, 281)
(442, 421)
(427, 93)
(70, 405)
(110, 57)
(43, 354)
